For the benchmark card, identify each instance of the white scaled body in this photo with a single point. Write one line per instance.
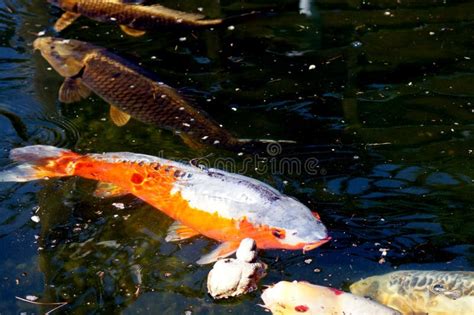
(296, 298)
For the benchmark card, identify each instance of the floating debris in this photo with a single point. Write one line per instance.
(57, 304)
(235, 276)
(118, 205)
(31, 297)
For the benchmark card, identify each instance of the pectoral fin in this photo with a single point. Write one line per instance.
(131, 31)
(118, 117)
(191, 142)
(73, 90)
(178, 232)
(65, 20)
(223, 250)
(108, 190)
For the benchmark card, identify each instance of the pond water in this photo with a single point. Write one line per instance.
(378, 96)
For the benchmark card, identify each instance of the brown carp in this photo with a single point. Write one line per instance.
(130, 91)
(134, 19)
(416, 292)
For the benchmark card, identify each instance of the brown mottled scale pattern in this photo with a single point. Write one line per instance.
(135, 16)
(460, 281)
(126, 86)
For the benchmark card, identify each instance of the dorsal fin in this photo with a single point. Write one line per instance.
(159, 9)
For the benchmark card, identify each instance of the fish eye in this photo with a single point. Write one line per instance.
(278, 233)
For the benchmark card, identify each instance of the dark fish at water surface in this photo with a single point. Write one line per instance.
(129, 90)
(134, 19)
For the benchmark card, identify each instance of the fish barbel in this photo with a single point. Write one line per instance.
(223, 206)
(299, 297)
(415, 292)
(134, 19)
(130, 91)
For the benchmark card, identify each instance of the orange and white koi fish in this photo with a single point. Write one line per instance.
(223, 206)
(295, 298)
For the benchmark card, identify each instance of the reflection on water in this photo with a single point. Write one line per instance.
(379, 93)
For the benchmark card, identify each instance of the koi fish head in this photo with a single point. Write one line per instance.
(368, 287)
(66, 56)
(296, 228)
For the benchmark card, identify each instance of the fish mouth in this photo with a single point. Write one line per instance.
(37, 43)
(40, 42)
(311, 246)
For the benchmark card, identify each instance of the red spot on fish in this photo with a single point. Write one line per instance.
(336, 291)
(301, 308)
(137, 178)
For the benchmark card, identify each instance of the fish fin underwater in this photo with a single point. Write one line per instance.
(178, 232)
(223, 250)
(65, 20)
(131, 31)
(118, 117)
(109, 190)
(73, 90)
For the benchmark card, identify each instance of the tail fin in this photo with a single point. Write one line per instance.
(34, 163)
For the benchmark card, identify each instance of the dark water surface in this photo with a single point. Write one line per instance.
(378, 95)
